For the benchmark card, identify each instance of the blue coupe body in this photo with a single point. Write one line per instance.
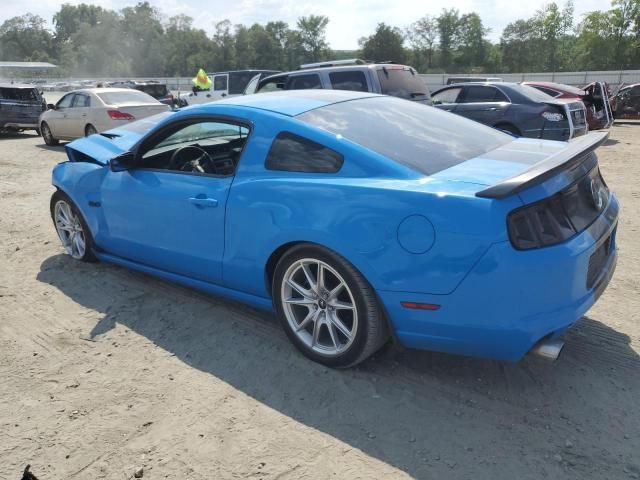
(474, 242)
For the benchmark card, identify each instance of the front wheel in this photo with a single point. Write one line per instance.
(71, 228)
(47, 135)
(327, 308)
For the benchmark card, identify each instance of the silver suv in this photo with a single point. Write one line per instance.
(386, 78)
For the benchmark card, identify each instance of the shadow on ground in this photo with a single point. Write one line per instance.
(431, 415)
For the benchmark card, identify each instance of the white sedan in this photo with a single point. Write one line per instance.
(92, 110)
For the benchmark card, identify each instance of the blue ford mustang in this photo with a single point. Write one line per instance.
(359, 218)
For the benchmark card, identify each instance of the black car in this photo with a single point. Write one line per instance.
(386, 78)
(518, 109)
(20, 107)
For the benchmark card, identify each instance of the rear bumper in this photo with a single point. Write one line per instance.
(511, 299)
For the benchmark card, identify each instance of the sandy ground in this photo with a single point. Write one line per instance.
(103, 371)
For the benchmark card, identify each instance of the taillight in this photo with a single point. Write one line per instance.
(118, 115)
(558, 218)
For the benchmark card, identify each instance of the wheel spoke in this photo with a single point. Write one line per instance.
(300, 301)
(335, 321)
(332, 334)
(321, 274)
(309, 275)
(312, 316)
(299, 288)
(336, 291)
(341, 305)
(316, 330)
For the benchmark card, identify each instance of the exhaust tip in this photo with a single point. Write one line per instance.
(548, 349)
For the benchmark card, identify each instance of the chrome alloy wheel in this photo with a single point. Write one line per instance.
(70, 231)
(319, 306)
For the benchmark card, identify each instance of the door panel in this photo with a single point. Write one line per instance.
(167, 220)
(59, 123)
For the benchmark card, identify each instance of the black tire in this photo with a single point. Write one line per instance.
(510, 129)
(90, 130)
(60, 196)
(47, 135)
(371, 331)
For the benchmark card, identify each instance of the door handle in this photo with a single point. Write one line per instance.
(203, 202)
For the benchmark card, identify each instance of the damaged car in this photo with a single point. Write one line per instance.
(595, 96)
(20, 107)
(517, 109)
(358, 218)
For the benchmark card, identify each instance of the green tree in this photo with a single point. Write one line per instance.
(422, 35)
(384, 44)
(312, 31)
(472, 45)
(449, 32)
(25, 38)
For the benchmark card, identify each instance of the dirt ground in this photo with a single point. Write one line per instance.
(104, 371)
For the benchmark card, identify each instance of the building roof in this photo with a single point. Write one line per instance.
(27, 65)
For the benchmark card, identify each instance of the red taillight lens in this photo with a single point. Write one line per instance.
(118, 115)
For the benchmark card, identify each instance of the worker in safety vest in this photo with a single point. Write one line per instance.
(201, 82)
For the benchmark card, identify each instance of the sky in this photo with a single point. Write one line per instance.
(348, 20)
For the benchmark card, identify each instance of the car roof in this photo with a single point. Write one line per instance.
(16, 85)
(293, 102)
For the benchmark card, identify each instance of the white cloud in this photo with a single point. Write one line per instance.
(349, 20)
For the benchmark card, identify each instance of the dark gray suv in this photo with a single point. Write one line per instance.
(386, 78)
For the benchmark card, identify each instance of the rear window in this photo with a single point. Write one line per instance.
(131, 96)
(302, 82)
(531, 93)
(155, 91)
(402, 83)
(423, 138)
(354, 80)
(293, 153)
(22, 94)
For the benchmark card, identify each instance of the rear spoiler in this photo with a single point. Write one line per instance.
(566, 159)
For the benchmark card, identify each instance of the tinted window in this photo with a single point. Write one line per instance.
(127, 97)
(403, 83)
(238, 81)
(423, 138)
(220, 82)
(297, 154)
(65, 102)
(446, 96)
(156, 91)
(23, 94)
(301, 82)
(348, 81)
(478, 94)
(530, 93)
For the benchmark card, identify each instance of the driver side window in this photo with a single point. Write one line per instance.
(65, 102)
(203, 147)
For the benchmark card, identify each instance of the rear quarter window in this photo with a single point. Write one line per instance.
(303, 82)
(293, 153)
(354, 80)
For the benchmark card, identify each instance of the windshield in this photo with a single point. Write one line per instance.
(126, 97)
(421, 137)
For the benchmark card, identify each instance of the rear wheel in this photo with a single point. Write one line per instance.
(89, 130)
(47, 135)
(71, 228)
(327, 308)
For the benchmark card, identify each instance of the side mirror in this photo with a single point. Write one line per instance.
(51, 106)
(124, 161)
